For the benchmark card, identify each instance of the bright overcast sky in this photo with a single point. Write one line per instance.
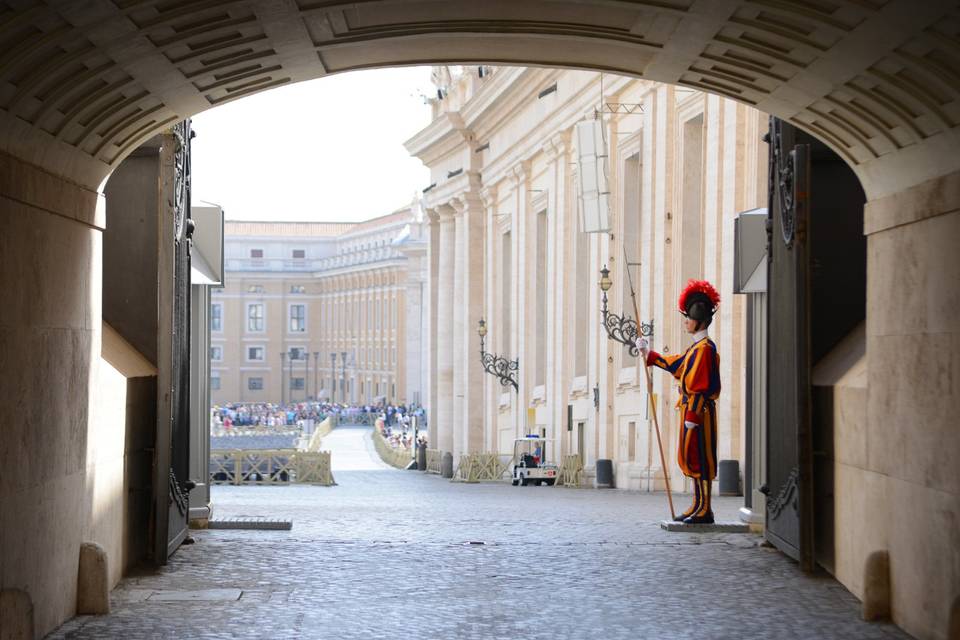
(328, 149)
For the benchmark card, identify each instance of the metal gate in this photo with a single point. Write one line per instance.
(789, 482)
(172, 454)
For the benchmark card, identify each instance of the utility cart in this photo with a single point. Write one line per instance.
(530, 464)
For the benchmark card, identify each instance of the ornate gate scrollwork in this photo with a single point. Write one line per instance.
(783, 169)
(786, 496)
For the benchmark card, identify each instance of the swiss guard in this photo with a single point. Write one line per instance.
(698, 371)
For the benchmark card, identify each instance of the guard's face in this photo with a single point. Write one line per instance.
(690, 324)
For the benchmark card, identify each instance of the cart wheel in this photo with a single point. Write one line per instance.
(550, 483)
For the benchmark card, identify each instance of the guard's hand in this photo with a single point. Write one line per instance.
(643, 347)
(690, 425)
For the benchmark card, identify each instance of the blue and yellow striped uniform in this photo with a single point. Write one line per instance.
(698, 371)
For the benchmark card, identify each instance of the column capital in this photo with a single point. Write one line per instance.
(466, 200)
(521, 171)
(488, 196)
(445, 212)
(557, 145)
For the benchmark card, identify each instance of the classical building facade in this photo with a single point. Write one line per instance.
(319, 310)
(506, 245)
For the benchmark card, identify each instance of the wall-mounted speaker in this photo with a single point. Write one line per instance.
(593, 168)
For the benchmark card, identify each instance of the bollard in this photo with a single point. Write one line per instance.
(729, 475)
(422, 457)
(16, 615)
(93, 581)
(876, 587)
(446, 465)
(604, 473)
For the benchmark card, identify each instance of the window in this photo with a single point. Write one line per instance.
(216, 353)
(255, 384)
(215, 382)
(255, 288)
(296, 384)
(255, 354)
(256, 254)
(216, 317)
(298, 288)
(299, 254)
(298, 353)
(298, 318)
(255, 317)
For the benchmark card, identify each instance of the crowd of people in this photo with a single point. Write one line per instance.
(267, 414)
(397, 417)
(400, 422)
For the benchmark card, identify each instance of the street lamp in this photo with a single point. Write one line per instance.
(497, 366)
(290, 356)
(283, 386)
(622, 329)
(333, 377)
(343, 385)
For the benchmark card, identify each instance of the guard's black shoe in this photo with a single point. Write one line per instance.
(706, 518)
(681, 517)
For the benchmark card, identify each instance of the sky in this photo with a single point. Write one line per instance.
(329, 149)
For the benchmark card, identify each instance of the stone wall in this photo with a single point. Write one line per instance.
(903, 465)
(49, 343)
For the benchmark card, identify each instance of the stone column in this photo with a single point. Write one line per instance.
(470, 291)
(561, 285)
(491, 389)
(459, 340)
(431, 299)
(444, 330)
(522, 310)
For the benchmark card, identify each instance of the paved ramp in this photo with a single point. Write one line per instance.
(351, 449)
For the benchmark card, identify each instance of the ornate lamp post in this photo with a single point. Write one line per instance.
(333, 377)
(497, 366)
(622, 329)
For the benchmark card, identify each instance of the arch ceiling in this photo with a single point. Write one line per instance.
(82, 83)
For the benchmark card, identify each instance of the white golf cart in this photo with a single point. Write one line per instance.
(530, 464)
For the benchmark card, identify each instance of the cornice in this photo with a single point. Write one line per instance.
(438, 138)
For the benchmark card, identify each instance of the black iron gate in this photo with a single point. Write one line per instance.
(789, 486)
(171, 455)
(177, 525)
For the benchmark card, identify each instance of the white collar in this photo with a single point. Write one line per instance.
(699, 335)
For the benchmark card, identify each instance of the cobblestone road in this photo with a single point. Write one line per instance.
(389, 554)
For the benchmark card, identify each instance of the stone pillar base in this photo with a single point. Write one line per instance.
(16, 612)
(876, 586)
(93, 582)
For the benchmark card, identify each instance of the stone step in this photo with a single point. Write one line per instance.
(716, 527)
(251, 523)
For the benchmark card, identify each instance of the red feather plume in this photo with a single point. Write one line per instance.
(699, 286)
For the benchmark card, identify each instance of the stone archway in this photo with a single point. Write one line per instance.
(83, 84)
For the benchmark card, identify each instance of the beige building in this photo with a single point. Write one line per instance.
(319, 310)
(506, 245)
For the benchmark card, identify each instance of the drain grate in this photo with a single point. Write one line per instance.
(256, 522)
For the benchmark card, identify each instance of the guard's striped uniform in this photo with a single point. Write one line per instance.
(698, 370)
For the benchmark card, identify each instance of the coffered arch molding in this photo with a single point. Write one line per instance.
(83, 84)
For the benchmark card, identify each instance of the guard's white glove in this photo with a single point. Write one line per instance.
(690, 425)
(643, 346)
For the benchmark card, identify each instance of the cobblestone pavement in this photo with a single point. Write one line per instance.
(391, 554)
